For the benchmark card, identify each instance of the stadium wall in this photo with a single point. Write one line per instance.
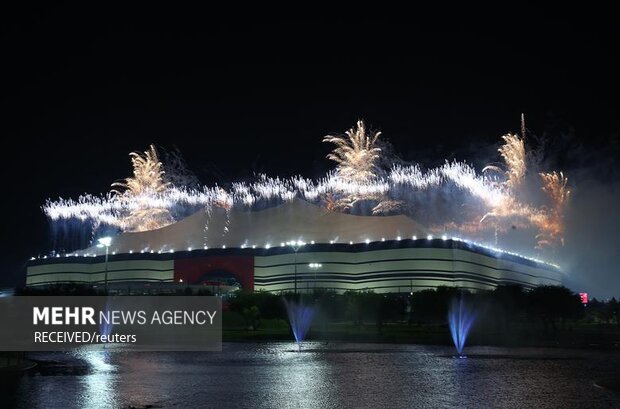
(390, 266)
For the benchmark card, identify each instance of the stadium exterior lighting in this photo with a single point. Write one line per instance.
(315, 267)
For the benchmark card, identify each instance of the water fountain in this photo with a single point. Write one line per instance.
(300, 315)
(460, 318)
(105, 328)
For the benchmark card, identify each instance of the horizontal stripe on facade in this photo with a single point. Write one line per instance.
(171, 270)
(291, 289)
(119, 280)
(412, 260)
(353, 279)
(440, 282)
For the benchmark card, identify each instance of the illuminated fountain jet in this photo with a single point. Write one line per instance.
(460, 318)
(300, 317)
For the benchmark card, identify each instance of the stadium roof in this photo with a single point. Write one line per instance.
(295, 220)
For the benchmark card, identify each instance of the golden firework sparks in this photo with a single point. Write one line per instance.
(551, 220)
(141, 191)
(356, 153)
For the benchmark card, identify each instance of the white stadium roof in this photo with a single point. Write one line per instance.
(295, 220)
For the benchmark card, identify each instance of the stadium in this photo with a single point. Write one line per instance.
(296, 246)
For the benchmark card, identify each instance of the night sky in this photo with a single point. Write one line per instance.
(83, 88)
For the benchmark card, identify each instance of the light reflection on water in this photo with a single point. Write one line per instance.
(273, 375)
(99, 385)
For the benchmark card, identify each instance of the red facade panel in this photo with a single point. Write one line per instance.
(193, 270)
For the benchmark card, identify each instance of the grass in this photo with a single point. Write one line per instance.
(580, 335)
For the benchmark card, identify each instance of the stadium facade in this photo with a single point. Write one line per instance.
(249, 248)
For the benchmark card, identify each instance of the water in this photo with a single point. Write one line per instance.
(460, 318)
(300, 315)
(345, 376)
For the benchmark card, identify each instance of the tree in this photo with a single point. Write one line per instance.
(613, 308)
(509, 302)
(552, 303)
(252, 317)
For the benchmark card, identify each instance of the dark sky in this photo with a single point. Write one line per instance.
(83, 88)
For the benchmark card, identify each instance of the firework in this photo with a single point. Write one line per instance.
(551, 221)
(356, 153)
(481, 202)
(137, 191)
(513, 153)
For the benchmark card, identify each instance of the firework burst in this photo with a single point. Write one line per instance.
(551, 220)
(147, 201)
(513, 153)
(137, 193)
(356, 153)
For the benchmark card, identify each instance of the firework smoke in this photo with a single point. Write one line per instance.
(452, 198)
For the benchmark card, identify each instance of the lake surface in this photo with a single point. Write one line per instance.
(273, 375)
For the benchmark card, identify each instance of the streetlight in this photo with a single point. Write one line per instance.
(315, 266)
(295, 245)
(105, 242)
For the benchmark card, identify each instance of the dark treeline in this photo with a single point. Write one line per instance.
(506, 315)
(551, 305)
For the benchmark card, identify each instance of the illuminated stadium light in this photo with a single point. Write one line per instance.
(350, 242)
(130, 251)
(105, 241)
(171, 250)
(331, 242)
(444, 237)
(414, 237)
(253, 246)
(189, 249)
(429, 237)
(382, 238)
(398, 238)
(312, 242)
(367, 241)
(223, 246)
